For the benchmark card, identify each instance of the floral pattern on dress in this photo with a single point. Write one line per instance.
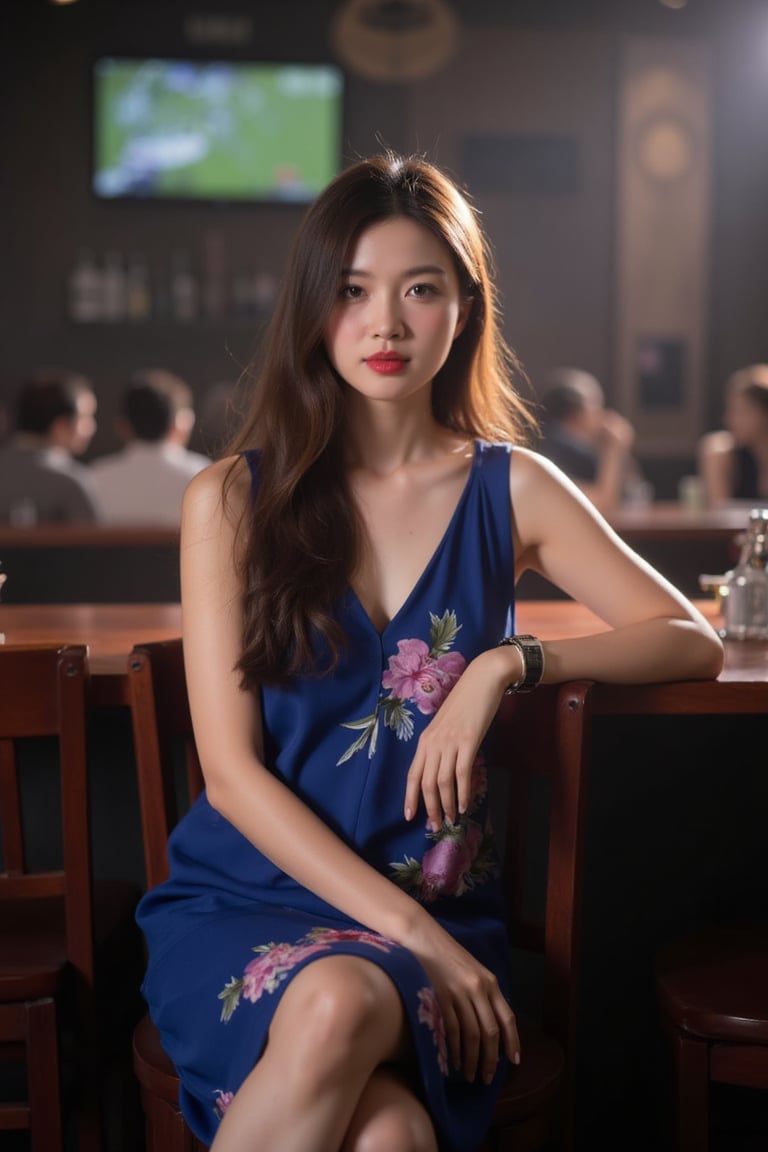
(429, 1013)
(222, 1102)
(274, 961)
(420, 673)
(462, 855)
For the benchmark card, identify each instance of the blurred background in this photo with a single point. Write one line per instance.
(617, 149)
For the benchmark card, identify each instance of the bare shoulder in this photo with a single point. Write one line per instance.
(229, 476)
(546, 503)
(534, 477)
(718, 443)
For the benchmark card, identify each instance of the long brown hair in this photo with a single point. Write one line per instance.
(303, 533)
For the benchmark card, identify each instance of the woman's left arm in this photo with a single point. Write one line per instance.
(655, 633)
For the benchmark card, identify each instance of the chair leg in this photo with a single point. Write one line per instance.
(43, 1088)
(166, 1129)
(693, 1087)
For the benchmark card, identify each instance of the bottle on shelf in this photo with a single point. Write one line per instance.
(138, 289)
(184, 289)
(746, 585)
(84, 289)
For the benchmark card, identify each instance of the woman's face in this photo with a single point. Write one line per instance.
(745, 419)
(397, 312)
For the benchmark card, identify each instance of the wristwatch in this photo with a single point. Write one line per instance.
(532, 655)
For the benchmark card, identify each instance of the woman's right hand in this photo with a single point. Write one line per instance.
(479, 1022)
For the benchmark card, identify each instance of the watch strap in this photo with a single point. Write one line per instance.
(532, 655)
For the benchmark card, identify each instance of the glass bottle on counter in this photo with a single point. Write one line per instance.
(746, 602)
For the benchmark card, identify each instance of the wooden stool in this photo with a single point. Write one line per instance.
(712, 989)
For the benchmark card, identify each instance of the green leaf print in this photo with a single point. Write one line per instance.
(443, 632)
(230, 994)
(368, 728)
(398, 718)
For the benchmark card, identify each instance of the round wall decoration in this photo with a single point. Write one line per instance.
(395, 40)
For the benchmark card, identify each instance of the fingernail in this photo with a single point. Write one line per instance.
(408, 813)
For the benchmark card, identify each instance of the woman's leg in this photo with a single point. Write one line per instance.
(389, 1116)
(340, 1018)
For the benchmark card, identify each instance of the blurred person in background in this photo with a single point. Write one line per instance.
(41, 479)
(733, 461)
(144, 482)
(592, 444)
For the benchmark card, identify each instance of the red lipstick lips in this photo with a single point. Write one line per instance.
(386, 363)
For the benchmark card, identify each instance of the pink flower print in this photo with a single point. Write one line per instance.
(445, 866)
(272, 965)
(330, 935)
(430, 1014)
(415, 675)
(223, 1101)
(274, 961)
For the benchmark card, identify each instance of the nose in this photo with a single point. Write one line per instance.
(387, 321)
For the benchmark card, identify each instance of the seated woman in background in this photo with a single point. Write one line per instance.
(590, 443)
(733, 462)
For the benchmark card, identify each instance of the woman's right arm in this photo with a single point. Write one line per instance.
(714, 461)
(228, 734)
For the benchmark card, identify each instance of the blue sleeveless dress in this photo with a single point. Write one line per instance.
(228, 930)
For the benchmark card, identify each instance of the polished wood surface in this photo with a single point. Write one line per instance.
(86, 535)
(668, 518)
(111, 630)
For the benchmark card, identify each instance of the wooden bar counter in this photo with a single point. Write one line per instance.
(675, 827)
(111, 630)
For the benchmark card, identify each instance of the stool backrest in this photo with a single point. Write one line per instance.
(539, 751)
(43, 694)
(168, 768)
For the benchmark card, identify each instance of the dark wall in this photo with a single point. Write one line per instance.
(526, 67)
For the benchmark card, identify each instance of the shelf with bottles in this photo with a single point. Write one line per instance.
(123, 288)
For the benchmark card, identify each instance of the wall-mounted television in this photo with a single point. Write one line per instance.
(167, 129)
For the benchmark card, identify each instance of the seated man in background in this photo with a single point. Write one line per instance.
(591, 443)
(53, 422)
(733, 462)
(144, 482)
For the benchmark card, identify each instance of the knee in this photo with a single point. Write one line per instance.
(334, 1005)
(407, 1129)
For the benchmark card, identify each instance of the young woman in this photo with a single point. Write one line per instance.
(327, 962)
(733, 461)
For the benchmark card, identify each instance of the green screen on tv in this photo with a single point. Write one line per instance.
(215, 130)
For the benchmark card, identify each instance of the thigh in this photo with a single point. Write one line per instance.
(390, 1115)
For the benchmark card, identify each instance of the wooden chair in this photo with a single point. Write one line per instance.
(169, 779)
(540, 748)
(537, 739)
(64, 938)
(712, 986)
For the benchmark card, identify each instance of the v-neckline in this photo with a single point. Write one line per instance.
(430, 562)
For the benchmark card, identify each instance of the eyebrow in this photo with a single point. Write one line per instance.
(420, 270)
